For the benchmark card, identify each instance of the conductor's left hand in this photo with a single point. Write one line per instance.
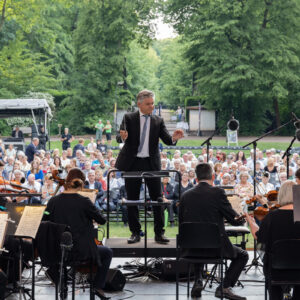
(178, 134)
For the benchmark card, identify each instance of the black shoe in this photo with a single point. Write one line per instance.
(101, 295)
(135, 238)
(161, 239)
(228, 294)
(197, 289)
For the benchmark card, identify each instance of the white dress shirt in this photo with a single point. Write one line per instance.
(145, 150)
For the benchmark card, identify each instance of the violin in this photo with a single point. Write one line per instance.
(251, 200)
(261, 211)
(240, 218)
(11, 186)
(57, 178)
(271, 195)
(60, 181)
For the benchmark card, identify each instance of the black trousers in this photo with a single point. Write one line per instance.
(235, 269)
(3, 281)
(133, 186)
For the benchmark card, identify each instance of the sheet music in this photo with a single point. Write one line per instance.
(236, 204)
(296, 201)
(3, 227)
(91, 194)
(30, 221)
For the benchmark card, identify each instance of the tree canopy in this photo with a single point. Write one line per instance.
(234, 56)
(244, 54)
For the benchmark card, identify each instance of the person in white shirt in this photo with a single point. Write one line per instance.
(264, 186)
(91, 147)
(10, 151)
(34, 187)
(64, 159)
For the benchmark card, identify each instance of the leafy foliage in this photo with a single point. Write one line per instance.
(174, 74)
(245, 55)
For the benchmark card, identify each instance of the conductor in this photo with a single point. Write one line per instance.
(141, 131)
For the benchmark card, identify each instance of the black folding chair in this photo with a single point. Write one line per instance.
(285, 256)
(200, 236)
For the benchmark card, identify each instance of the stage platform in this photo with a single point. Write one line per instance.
(121, 248)
(149, 289)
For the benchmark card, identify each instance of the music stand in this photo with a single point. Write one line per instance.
(144, 175)
(15, 211)
(255, 263)
(207, 141)
(287, 153)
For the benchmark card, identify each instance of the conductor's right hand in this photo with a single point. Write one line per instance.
(124, 134)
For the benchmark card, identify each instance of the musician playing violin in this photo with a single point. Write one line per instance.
(78, 212)
(278, 225)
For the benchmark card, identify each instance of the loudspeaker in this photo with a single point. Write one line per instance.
(169, 269)
(115, 280)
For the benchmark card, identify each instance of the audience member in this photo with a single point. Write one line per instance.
(31, 149)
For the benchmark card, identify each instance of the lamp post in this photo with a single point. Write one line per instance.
(119, 83)
(59, 128)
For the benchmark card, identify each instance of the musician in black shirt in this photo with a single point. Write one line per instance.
(79, 212)
(278, 225)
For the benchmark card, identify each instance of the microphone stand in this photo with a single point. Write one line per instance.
(255, 263)
(287, 153)
(207, 141)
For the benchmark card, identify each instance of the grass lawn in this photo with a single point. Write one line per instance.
(192, 142)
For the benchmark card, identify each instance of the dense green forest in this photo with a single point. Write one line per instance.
(231, 55)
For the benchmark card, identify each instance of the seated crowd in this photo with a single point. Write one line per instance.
(34, 170)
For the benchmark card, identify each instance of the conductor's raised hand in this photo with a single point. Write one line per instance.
(124, 134)
(178, 134)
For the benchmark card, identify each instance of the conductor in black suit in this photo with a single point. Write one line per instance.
(205, 203)
(141, 131)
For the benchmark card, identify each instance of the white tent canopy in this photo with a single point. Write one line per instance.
(37, 109)
(24, 107)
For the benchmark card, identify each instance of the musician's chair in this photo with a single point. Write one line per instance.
(199, 236)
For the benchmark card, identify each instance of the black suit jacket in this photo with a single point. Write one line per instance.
(13, 134)
(158, 130)
(169, 193)
(30, 151)
(205, 203)
(97, 186)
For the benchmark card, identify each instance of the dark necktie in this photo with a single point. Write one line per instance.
(142, 141)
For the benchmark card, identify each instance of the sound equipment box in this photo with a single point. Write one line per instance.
(115, 280)
(169, 269)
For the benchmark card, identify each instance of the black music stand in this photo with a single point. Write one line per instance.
(207, 141)
(287, 153)
(145, 270)
(15, 211)
(255, 262)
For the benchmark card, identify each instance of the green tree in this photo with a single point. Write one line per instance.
(142, 66)
(244, 55)
(174, 74)
(103, 33)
